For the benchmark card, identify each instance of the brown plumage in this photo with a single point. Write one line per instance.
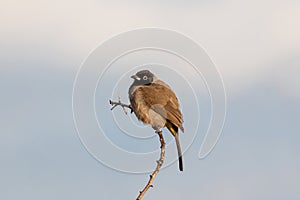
(154, 103)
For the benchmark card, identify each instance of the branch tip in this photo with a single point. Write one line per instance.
(119, 103)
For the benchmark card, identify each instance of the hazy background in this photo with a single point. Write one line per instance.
(255, 45)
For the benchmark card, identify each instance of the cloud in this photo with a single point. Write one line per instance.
(241, 37)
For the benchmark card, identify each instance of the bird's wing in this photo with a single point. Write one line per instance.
(163, 101)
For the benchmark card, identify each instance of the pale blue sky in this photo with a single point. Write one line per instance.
(255, 46)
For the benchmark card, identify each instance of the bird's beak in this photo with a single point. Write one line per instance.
(135, 77)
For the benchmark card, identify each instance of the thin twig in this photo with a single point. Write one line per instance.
(162, 150)
(119, 103)
(159, 164)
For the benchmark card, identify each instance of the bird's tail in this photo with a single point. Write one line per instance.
(179, 153)
(174, 130)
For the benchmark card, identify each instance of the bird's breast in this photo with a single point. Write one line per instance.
(139, 107)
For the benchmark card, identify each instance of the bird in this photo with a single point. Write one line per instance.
(154, 103)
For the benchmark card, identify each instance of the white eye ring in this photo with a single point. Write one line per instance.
(145, 77)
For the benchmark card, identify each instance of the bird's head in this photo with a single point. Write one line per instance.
(144, 77)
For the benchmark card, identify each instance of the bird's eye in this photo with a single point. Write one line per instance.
(145, 77)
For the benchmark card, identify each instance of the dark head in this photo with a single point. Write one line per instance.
(144, 77)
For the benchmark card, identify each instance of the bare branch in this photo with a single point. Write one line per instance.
(119, 103)
(159, 164)
(162, 150)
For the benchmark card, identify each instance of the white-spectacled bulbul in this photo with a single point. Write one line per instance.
(153, 102)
